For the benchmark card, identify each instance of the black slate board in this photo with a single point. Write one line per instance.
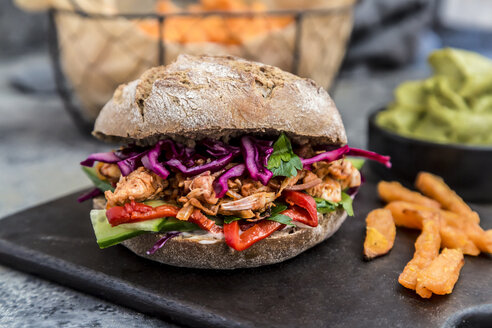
(327, 285)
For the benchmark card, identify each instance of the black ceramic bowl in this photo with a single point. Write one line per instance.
(466, 169)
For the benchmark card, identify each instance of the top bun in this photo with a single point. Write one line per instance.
(219, 97)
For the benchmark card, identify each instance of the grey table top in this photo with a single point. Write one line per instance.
(41, 150)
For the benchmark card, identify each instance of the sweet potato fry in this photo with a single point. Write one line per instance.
(426, 250)
(402, 219)
(435, 187)
(454, 233)
(452, 237)
(380, 233)
(393, 191)
(442, 273)
(482, 239)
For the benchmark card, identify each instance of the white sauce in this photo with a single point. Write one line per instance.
(203, 237)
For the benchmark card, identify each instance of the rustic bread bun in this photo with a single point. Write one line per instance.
(205, 252)
(219, 97)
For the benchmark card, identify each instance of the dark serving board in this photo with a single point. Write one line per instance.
(329, 285)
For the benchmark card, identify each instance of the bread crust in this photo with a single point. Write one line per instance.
(208, 253)
(219, 97)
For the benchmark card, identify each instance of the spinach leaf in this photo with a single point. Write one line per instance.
(347, 204)
(100, 184)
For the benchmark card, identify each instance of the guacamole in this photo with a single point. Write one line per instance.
(452, 106)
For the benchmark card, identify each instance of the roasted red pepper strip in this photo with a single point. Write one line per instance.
(254, 234)
(203, 222)
(117, 215)
(305, 211)
(136, 212)
(300, 215)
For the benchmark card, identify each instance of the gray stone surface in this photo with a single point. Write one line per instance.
(26, 301)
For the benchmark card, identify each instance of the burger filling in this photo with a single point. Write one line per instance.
(245, 190)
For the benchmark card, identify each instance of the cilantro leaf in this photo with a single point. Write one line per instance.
(283, 161)
(325, 206)
(100, 184)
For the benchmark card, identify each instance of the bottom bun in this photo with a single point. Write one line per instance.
(206, 251)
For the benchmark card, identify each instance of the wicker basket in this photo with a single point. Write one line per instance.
(97, 47)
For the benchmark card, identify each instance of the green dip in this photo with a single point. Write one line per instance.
(452, 106)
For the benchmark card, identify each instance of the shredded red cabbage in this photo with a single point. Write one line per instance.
(130, 164)
(89, 195)
(328, 156)
(220, 184)
(161, 242)
(218, 148)
(129, 151)
(385, 160)
(256, 154)
(169, 154)
(109, 157)
(151, 161)
(213, 166)
(178, 151)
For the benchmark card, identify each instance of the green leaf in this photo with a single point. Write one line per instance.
(287, 169)
(173, 224)
(274, 215)
(284, 219)
(325, 206)
(100, 184)
(347, 204)
(280, 207)
(283, 161)
(356, 162)
(217, 219)
(229, 219)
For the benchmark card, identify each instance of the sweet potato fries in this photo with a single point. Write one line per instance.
(445, 220)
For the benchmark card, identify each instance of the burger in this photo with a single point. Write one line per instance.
(226, 163)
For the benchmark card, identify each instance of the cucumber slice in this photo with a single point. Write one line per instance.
(107, 235)
(148, 225)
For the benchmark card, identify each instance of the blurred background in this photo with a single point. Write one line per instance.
(60, 61)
